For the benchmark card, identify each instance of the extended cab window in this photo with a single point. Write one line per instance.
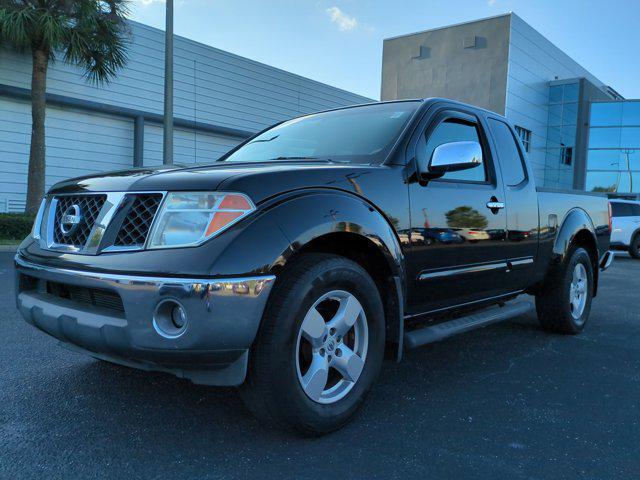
(508, 153)
(455, 130)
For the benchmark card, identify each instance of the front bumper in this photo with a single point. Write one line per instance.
(222, 319)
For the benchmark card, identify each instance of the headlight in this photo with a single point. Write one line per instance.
(188, 218)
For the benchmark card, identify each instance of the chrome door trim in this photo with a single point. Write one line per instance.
(482, 267)
(519, 262)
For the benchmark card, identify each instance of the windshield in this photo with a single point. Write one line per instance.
(355, 135)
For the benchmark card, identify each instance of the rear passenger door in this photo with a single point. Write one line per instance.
(521, 199)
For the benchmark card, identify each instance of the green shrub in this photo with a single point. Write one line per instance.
(15, 226)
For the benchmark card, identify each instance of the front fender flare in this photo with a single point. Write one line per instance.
(312, 214)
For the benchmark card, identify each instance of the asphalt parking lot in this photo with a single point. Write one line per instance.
(507, 401)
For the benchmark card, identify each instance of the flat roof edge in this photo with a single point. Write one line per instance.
(460, 24)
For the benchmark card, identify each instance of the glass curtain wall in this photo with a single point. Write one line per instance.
(613, 159)
(561, 134)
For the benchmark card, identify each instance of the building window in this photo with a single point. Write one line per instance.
(566, 155)
(525, 137)
(561, 134)
(613, 161)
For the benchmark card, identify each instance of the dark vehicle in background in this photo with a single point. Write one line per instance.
(292, 264)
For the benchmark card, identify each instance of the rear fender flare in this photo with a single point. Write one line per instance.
(575, 222)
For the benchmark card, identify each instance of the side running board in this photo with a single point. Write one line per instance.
(434, 333)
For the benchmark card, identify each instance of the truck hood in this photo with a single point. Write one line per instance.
(258, 180)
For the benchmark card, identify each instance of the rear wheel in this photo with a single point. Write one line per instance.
(634, 248)
(565, 303)
(320, 346)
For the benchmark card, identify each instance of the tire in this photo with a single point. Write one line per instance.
(565, 304)
(634, 248)
(293, 342)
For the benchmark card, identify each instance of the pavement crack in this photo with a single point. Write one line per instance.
(512, 361)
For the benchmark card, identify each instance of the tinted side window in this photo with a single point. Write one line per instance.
(621, 209)
(635, 210)
(453, 130)
(508, 153)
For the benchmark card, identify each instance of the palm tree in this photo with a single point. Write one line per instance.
(91, 34)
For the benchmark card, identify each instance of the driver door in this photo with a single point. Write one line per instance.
(456, 253)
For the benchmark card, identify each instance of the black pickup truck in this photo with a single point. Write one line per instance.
(292, 265)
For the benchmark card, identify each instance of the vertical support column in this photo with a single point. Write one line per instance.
(138, 141)
(167, 151)
(582, 138)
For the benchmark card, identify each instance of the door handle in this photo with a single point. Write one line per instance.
(495, 205)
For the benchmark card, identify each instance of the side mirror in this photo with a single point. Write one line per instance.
(452, 157)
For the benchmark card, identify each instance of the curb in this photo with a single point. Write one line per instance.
(8, 248)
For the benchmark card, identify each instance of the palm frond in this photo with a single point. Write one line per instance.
(98, 41)
(92, 34)
(52, 29)
(17, 26)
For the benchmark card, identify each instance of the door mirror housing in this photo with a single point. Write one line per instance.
(453, 157)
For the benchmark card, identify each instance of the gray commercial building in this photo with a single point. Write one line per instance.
(579, 132)
(220, 99)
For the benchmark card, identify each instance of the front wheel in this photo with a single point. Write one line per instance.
(564, 304)
(319, 348)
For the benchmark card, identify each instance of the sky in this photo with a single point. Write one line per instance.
(339, 42)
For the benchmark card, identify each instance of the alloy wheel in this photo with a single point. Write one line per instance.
(331, 348)
(578, 291)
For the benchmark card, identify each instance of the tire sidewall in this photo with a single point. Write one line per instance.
(332, 275)
(634, 249)
(579, 255)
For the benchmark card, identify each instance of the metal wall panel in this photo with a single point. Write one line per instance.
(77, 144)
(533, 62)
(211, 85)
(189, 146)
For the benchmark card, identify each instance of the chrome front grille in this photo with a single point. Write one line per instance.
(136, 225)
(88, 206)
(103, 222)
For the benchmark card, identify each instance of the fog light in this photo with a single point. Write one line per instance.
(178, 316)
(170, 319)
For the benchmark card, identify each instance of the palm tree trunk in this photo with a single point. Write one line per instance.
(35, 181)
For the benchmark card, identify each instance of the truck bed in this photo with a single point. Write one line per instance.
(553, 207)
